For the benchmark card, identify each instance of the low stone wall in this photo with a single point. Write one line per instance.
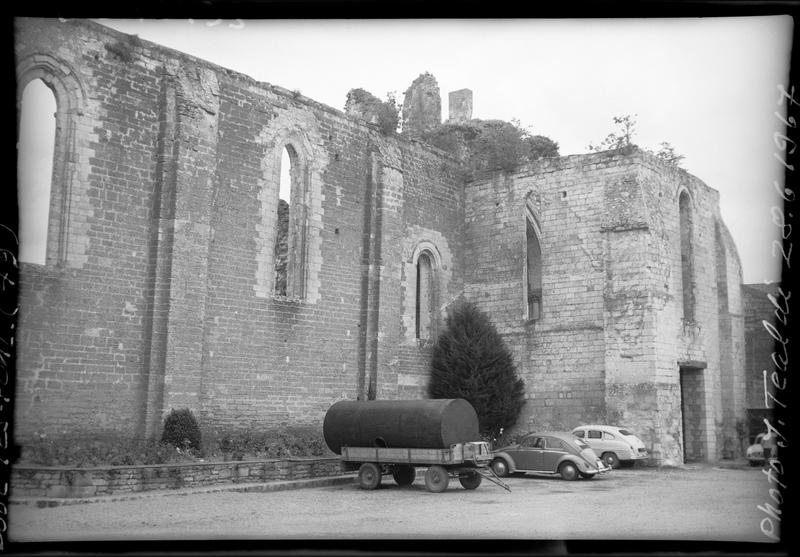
(61, 481)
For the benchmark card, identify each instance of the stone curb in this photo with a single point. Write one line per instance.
(282, 485)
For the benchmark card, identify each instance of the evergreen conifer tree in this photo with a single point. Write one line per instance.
(471, 361)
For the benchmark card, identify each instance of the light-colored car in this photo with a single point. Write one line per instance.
(761, 450)
(550, 453)
(615, 445)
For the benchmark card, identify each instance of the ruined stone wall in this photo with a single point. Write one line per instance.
(560, 356)
(159, 291)
(733, 377)
(173, 302)
(611, 339)
(82, 334)
(422, 106)
(433, 223)
(709, 348)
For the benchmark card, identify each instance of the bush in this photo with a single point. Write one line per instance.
(386, 114)
(263, 443)
(181, 430)
(111, 449)
(471, 361)
(491, 144)
(95, 449)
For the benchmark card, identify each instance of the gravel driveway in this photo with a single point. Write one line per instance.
(704, 503)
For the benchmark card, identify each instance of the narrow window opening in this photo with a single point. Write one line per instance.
(282, 239)
(687, 270)
(424, 297)
(35, 153)
(533, 269)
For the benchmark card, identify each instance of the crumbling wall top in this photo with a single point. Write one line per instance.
(422, 106)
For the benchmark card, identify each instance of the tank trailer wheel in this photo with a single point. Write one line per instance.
(470, 480)
(436, 478)
(369, 476)
(404, 474)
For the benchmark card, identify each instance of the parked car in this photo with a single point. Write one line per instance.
(761, 450)
(615, 445)
(551, 452)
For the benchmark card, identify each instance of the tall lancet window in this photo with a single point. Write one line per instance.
(687, 264)
(533, 266)
(35, 153)
(290, 236)
(425, 297)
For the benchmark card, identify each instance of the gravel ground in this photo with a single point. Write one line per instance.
(700, 503)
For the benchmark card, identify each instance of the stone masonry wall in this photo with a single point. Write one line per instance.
(173, 305)
(560, 356)
(82, 329)
(159, 287)
(611, 338)
(697, 344)
(91, 482)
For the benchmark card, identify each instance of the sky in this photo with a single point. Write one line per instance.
(708, 86)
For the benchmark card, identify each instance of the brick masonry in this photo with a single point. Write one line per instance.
(158, 291)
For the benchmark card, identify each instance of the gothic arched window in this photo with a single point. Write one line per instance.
(291, 223)
(687, 264)
(35, 154)
(426, 297)
(533, 266)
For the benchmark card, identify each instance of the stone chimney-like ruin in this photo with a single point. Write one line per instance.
(422, 106)
(460, 106)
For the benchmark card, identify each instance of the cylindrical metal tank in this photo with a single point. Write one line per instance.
(423, 424)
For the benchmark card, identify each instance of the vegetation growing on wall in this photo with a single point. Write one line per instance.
(123, 49)
(622, 139)
(386, 114)
(84, 449)
(471, 361)
(491, 144)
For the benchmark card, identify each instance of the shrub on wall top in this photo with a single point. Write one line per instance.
(181, 430)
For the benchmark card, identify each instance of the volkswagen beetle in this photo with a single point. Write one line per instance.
(550, 453)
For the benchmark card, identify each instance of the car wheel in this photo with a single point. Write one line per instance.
(568, 471)
(404, 474)
(587, 476)
(611, 460)
(470, 480)
(500, 467)
(369, 476)
(436, 478)
(754, 463)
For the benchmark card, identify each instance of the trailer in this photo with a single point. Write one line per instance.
(469, 462)
(395, 437)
